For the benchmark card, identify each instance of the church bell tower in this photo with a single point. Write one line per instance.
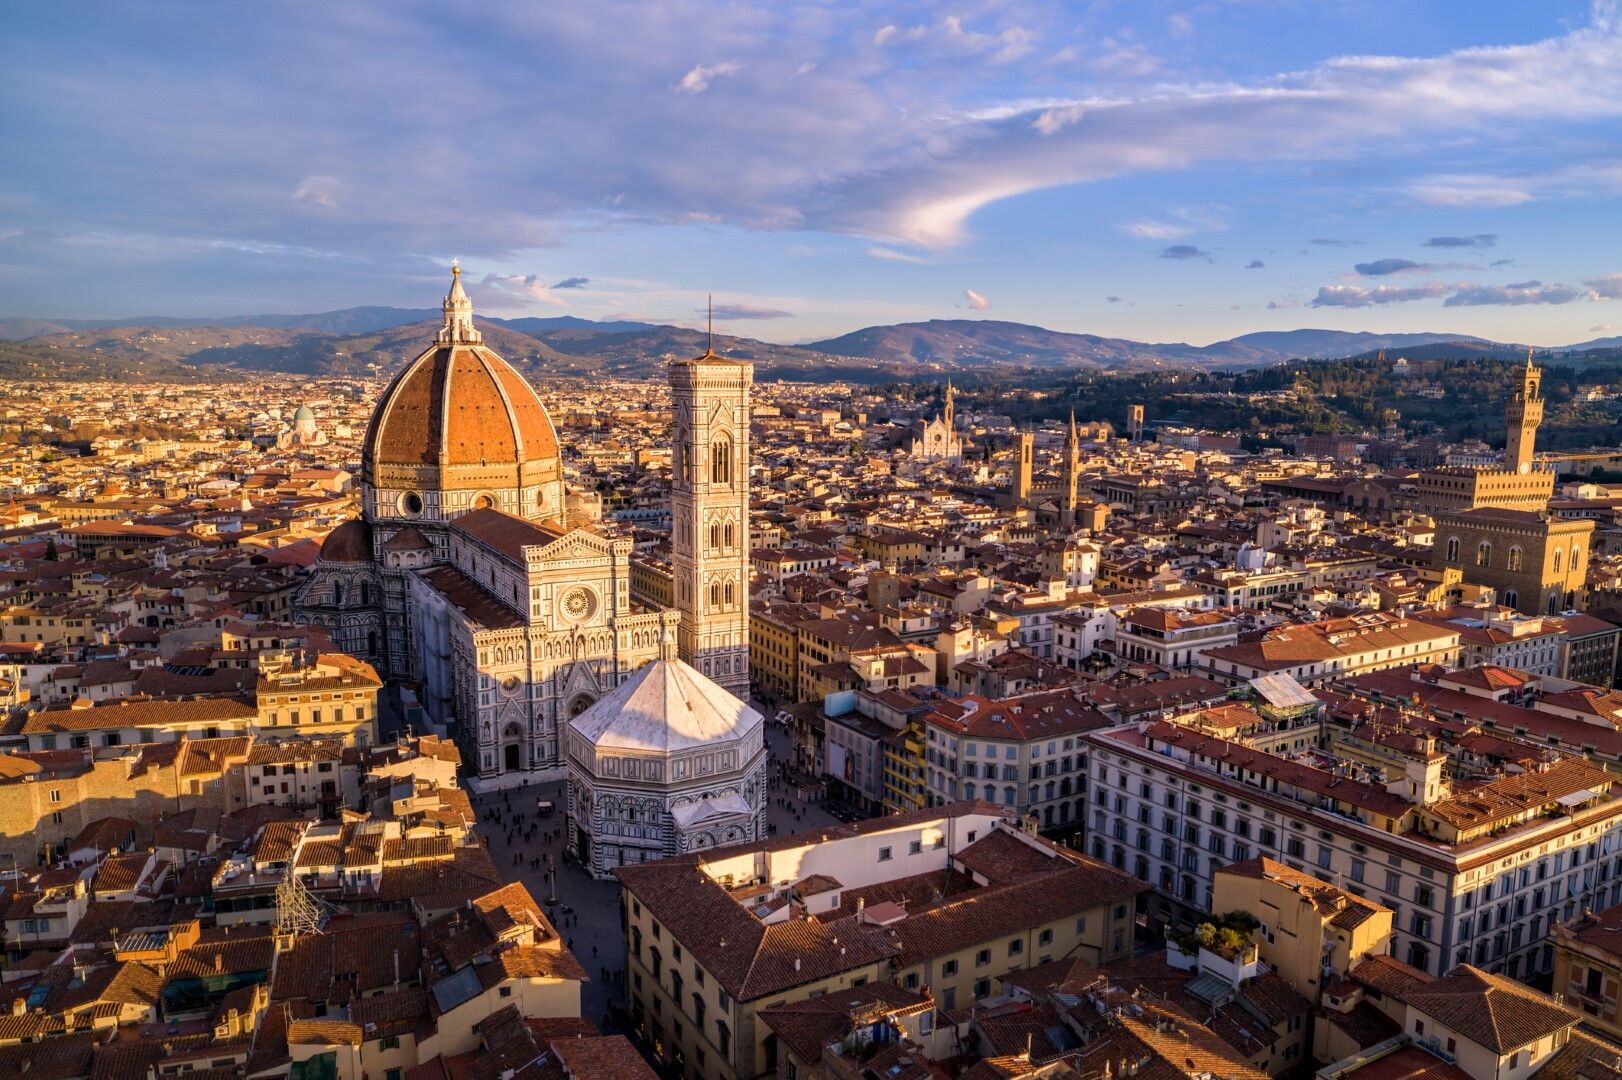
(710, 515)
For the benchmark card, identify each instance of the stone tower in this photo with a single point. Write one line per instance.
(710, 515)
(1022, 469)
(1069, 496)
(1522, 415)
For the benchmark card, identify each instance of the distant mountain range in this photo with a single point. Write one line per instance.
(353, 340)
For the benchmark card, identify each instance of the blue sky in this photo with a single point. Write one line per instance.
(1162, 171)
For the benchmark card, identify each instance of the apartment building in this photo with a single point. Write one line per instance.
(1314, 653)
(1170, 638)
(952, 898)
(1023, 752)
(1478, 876)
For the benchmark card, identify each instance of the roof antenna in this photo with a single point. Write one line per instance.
(709, 348)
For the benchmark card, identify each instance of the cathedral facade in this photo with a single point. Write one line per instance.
(936, 440)
(464, 578)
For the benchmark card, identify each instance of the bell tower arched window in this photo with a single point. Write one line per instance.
(1557, 554)
(1514, 561)
(1484, 554)
(721, 460)
(1453, 549)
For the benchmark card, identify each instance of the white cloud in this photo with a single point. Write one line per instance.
(327, 191)
(1053, 121)
(1356, 296)
(884, 34)
(1606, 287)
(1456, 294)
(698, 80)
(976, 301)
(507, 291)
(1179, 25)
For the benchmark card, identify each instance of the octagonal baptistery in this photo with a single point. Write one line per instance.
(460, 430)
(669, 762)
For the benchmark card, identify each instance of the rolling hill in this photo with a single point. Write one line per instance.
(355, 340)
(971, 343)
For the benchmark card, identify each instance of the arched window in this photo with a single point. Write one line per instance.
(730, 595)
(1514, 562)
(1557, 556)
(721, 461)
(728, 535)
(1576, 557)
(1453, 549)
(681, 462)
(1512, 598)
(1484, 554)
(715, 536)
(1554, 603)
(715, 594)
(365, 593)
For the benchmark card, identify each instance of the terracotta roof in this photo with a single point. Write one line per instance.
(1494, 1011)
(506, 533)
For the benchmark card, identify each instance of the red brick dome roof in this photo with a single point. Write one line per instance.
(460, 405)
(459, 417)
(349, 542)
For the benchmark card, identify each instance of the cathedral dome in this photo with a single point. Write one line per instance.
(460, 418)
(349, 542)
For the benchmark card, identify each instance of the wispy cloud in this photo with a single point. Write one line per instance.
(731, 312)
(1184, 251)
(699, 78)
(1383, 267)
(571, 283)
(894, 255)
(1607, 287)
(1478, 240)
(1255, 264)
(327, 191)
(1470, 192)
(976, 301)
(1516, 294)
(1464, 294)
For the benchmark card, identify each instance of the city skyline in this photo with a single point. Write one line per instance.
(1170, 172)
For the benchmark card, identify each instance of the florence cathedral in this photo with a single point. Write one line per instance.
(465, 577)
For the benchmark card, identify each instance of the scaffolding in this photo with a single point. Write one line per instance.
(299, 911)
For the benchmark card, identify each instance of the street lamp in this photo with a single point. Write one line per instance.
(552, 884)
